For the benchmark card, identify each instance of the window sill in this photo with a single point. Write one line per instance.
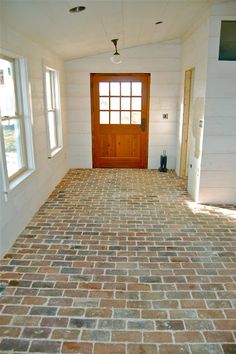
(17, 181)
(55, 152)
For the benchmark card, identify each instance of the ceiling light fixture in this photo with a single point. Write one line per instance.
(77, 9)
(116, 57)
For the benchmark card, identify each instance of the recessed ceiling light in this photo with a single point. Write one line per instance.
(77, 9)
(158, 22)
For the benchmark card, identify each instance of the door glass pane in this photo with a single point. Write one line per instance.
(115, 89)
(136, 103)
(136, 118)
(52, 130)
(115, 103)
(7, 90)
(103, 88)
(125, 89)
(104, 117)
(13, 145)
(125, 103)
(104, 103)
(125, 117)
(115, 117)
(136, 89)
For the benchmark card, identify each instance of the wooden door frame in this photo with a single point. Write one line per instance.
(185, 122)
(148, 77)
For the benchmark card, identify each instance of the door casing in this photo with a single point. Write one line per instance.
(185, 125)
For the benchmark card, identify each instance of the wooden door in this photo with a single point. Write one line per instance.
(120, 120)
(185, 126)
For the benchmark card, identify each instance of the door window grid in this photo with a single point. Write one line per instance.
(120, 102)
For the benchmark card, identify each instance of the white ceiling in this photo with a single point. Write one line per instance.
(49, 22)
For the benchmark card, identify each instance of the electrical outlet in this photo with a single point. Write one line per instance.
(165, 116)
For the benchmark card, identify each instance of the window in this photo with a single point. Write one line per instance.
(15, 128)
(120, 102)
(227, 50)
(53, 111)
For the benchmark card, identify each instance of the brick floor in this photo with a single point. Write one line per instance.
(121, 261)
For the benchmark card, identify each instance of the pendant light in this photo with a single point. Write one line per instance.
(116, 57)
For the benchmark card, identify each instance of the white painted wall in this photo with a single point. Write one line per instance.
(163, 62)
(194, 55)
(27, 197)
(218, 174)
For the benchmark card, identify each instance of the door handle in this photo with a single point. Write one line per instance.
(143, 124)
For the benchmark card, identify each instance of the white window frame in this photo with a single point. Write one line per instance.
(24, 115)
(55, 108)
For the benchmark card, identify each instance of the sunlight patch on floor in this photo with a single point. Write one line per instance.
(196, 208)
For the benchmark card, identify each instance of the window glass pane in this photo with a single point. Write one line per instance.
(125, 102)
(115, 89)
(52, 130)
(49, 90)
(125, 117)
(136, 118)
(115, 117)
(103, 88)
(13, 146)
(136, 89)
(104, 117)
(115, 103)
(136, 103)
(7, 90)
(104, 103)
(125, 89)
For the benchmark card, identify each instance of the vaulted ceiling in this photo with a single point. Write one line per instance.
(50, 23)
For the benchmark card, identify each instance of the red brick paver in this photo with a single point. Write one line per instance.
(121, 261)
